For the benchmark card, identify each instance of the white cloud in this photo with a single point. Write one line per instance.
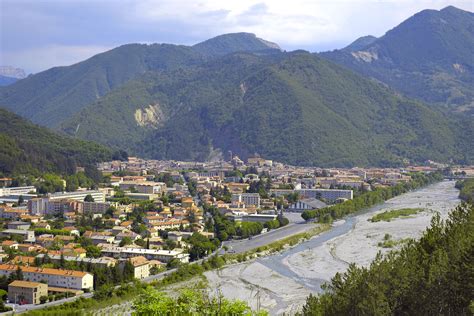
(72, 31)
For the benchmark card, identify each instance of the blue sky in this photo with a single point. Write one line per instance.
(38, 34)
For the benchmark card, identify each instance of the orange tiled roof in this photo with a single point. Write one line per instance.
(26, 284)
(77, 274)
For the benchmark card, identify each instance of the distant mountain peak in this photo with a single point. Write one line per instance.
(452, 8)
(12, 72)
(360, 43)
(234, 42)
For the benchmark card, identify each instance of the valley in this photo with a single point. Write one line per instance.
(280, 283)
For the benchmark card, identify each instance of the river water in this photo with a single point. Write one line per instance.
(281, 282)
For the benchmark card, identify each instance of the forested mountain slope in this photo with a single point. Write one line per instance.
(430, 56)
(25, 147)
(293, 107)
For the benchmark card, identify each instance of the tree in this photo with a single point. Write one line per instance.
(189, 302)
(93, 251)
(18, 274)
(88, 198)
(21, 200)
(128, 271)
(431, 276)
(126, 241)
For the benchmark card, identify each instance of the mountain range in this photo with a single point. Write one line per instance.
(237, 92)
(9, 75)
(429, 57)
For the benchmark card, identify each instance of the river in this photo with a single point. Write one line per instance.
(281, 282)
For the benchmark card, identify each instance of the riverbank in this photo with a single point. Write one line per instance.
(280, 283)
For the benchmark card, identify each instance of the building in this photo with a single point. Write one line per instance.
(12, 213)
(17, 190)
(148, 187)
(19, 225)
(326, 194)
(53, 277)
(78, 196)
(38, 206)
(95, 207)
(306, 204)
(100, 262)
(25, 292)
(150, 254)
(141, 266)
(26, 235)
(249, 199)
(258, 218)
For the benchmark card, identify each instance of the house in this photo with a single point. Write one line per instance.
(30, 248)
(6, 244)
(141, 266)
(23, 260)
(54, 277)
(100, 262)
(306, 204)
(25, 292)
(43, 225)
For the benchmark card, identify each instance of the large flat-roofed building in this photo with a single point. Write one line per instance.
(249, 199)
(17, 190)
(306, 204)
(148, 187)
(78, 196)
(150, 254)
(258, 218)
(25, 292)
(27, 235)
(329, 195)
(53, 277)
(102, 262)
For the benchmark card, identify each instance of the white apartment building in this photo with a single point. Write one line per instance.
(69, 279)
(249, 199)
(17, 190)
(150, 254)
(78, 196)
(148, 187)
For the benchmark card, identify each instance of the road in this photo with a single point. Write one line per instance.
(297, 225)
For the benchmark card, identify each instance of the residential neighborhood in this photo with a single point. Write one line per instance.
(147, 216)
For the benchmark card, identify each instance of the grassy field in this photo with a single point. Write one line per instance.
(387, 216)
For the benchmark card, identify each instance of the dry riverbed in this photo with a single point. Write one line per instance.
(280, 283)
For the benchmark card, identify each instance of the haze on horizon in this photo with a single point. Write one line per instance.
(37, 35)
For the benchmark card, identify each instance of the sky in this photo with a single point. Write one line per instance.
(39, 34)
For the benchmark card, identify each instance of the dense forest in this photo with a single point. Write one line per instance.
(431, 276)
(28, 148)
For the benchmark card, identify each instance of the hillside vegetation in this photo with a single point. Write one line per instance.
(432, 276)
(466, 190)
(429, 57)
(292, 107)
(50, 97)
(25, 147)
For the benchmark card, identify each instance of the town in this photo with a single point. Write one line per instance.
(146, 216)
